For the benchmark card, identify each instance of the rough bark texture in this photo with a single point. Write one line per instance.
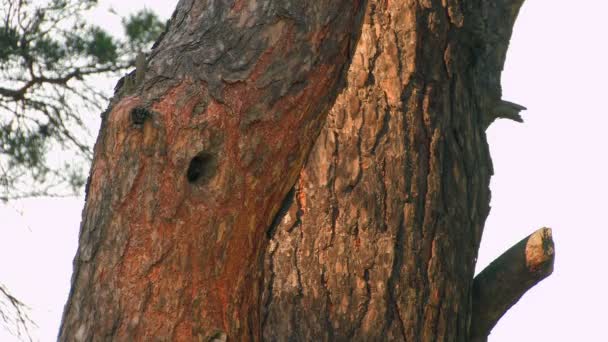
(379, 238)
(500, 285)
(191, 167)
(189, 197)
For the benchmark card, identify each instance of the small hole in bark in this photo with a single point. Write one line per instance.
(139, 115)
(201, 168)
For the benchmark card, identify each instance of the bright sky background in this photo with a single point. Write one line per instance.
(550, 171)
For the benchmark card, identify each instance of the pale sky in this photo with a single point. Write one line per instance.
(550, 171)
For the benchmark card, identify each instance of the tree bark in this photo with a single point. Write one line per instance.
(379, 238)
(191, 166)
(190, 230)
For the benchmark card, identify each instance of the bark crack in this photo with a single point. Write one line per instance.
(300, 287)
(392, 308)
(383, 190)
(368, 298)
(351, 185)
(371, 79)
(328, 305)
(285, 205)
(158, 261)
(335, 209)
(383, 130)
(266, 307)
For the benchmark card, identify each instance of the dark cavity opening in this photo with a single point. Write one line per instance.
(201, 168)
(139, 115)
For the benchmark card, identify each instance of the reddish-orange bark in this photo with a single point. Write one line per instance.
(175, 221)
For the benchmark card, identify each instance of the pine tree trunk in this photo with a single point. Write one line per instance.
(379, 238)
(190, 230)
(191, 167)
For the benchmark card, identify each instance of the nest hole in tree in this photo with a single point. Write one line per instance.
(201, 168)
(139, 115)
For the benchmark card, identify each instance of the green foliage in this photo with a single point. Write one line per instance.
(101, 46)
(9, 42)
(48, 57)
(25, 147)
(142, 28)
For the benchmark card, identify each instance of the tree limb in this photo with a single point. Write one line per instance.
(498, 18)
(509, 9)
(18, 94)
(500, 285)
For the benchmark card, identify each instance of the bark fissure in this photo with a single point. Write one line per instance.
(393, 309)
(363, 312)
(326, 315)
(268, 274)
(383, 131)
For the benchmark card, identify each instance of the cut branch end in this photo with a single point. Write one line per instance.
(500, 285)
